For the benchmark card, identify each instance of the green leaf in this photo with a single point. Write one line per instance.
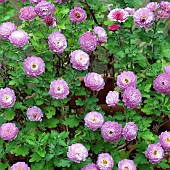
(19, 105)
(9, 114)
(98, 147)
(71, 121)
(51, 123)
(20, 150)
(50, 111)
(35, 157)
(79, 102)
(62, 163)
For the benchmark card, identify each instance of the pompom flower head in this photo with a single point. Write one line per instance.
(162, 14)
(105, 161)
(165, 5)
(80, 60)
(6, 29)
(8, 131)
(50, 21)
(111, 131)
(20, 166)
(154, 153)
(94, 120)
(164, 140)
(101, 34)
(126, 164)
(57, 42)
(112, 98)
(7, 97)
(34, 66)
(88, 42)
(90, 167)
(94, 81)
(77, 14)
(27, 13)
(130, 131)
(152, 6)
(34, 114)
(59, 89)
(77, 152)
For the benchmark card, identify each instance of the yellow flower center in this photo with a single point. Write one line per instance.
(155, 152)
(168, 140)
(104, 161)
(126, 80)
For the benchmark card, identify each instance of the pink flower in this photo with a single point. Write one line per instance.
(130, 11)
(1, 1)
(90, 167)
(112, 98)
(152, 6)
(35, 1)
(162, 14)
(50, 21)
(101, 34)
(27, 13)
(167, 69)
(126, 164)
(164, 140)
(34, 113)
(20, 166)
(165, 6)
(114, 27)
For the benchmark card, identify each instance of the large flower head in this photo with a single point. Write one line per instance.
(59, 89)
(44, 9)
(19, 38)
(34, 113)
(165, 5)
(94, 120)
(126, 164)
(154, 153)
(35, 1)
(8, 131)
(161, 14)
(50, 21)
(94, 81)
(80, 60)
(143, 17)
(57, 42)
(162, 83)
(118, 14)
(130, 131)
(77, 152)
(111, 131)
(101, 34)
(20, 166)
(77, 14)
(7, 97)
(132, 97)
(6, 29)
(34, 66)
(90, 167)
(88, 42)
(27, 13)
(153, 6)
(112, 98)
(126, 79)
(164, 140)
(105, 161)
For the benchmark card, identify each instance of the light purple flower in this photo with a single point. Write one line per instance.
(8, 131)
(167, 69)
(0, 66)
(130, 131)
(34, 113)
(59, 89)
(126, 164)
(19, 38)
(111, 131)
(88, 42)
(101, 34)
(27, 13)
(20, 166)
(94, 81)
(57, 42)
(130, 11)
(50, 21)
(153, 6)
(60, 1)
(132, 97)
(161, 14)
(154, 153)
(34, 66)
(77, 14)
(44, 9)
(118, 14)
(94, 120)
(90, 167)
(1, 1)
(162, 83)
(108, 7)
(6, 29)
(112, 98)
(7, 97)
(77, 152)
(126, 79)
(164, 140)
(143, 17)
(35, 1)
(80, 60)
(165, 6)
(105, 161)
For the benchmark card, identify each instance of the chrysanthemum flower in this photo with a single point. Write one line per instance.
(153, 6)
(27, 13)
(164, 140)
(35, 1)
(101, 34)
(112, 98)
(130, 11)
(20, 166)
(126, 164)
(165, 5)
(50, 21)
(34, 113)
(161, 14)
(167, 69)
(90, 167)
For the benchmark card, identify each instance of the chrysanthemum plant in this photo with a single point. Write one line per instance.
(50, 117)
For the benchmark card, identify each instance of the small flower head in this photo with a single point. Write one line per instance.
(132, 97)
(119, 15)
(20, 166)
(162, 83)
(6, 30)
(153, 6)
(57, 42)
(94, 120)
(111, 131)
(77, 14)
(60, 1)
(7, 98)
(77, 152)
(88, 42)
(1, 1)
(162, 14)
(80, 60)
(164, 140)
(8, 131)
(167, 69)
(130, 131)
(27, 13)
(50, 21)
(126, 164)
(114, 27)
(34, 114)
(130, 11)
(59, 89)
(165, 6)
(101, 34)
(90, 167)
(154, 153)
(143, 17)
(94, 81)
(35, 1)
(112, 98)
(105, 161)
